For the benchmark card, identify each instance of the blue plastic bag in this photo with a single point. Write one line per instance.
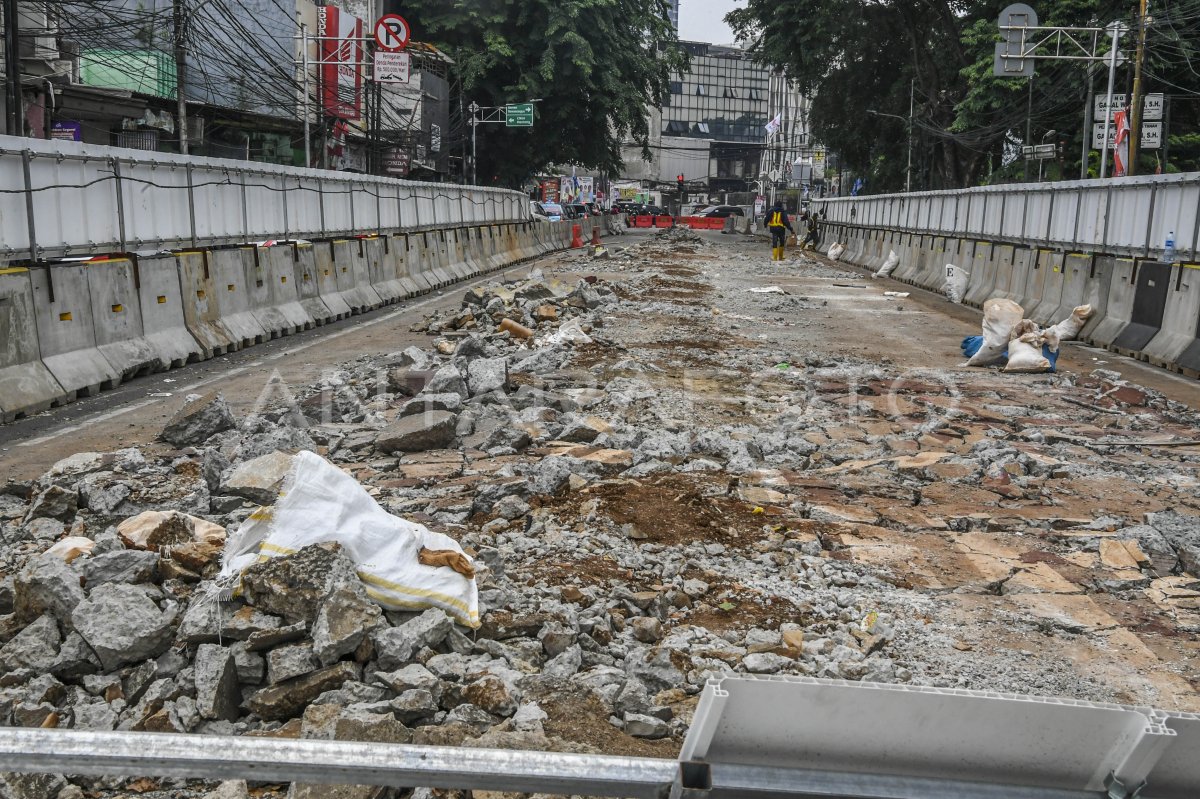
(971, 344)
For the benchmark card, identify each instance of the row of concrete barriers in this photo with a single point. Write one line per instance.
(1142, 308)
(72, 329)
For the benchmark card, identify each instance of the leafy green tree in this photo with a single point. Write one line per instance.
(968, 124)
(594, 64)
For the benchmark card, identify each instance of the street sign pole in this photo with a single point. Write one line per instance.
(474, 109)
(1115, 32)
(304, 84)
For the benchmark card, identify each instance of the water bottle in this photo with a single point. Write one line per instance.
(1168, 255)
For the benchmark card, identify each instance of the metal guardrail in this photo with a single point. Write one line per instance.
(65, 198)
(1123, 216)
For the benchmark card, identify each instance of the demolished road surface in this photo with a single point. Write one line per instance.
(655, 476)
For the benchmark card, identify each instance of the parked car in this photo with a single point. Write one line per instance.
(722, 211)
(553, 211)
(579, 210)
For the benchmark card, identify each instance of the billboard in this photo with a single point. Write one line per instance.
(341, 55)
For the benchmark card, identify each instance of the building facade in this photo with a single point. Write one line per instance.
(109, 74)
(715, 128)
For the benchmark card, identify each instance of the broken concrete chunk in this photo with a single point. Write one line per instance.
(287, 699)
(485, 375)
(345, 619)
(260, 479)
(122, 625)
(46, 584)
(395, 646)
(294, 586)
(198, 421)
(35, 647)
(425, 431)
(217, 695)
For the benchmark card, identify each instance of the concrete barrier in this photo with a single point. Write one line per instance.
(66, 331)
(309, 278)
(1180, 320)
(354, 276)
(1151, 283)
(26, 385)
(1118, 307)
(271, 283)
(117, 318)
(160, 302)
(384, 255)
(1077, 275)
(201, 305)
(232, 294)
(985, 271)
(419, 264)
(1043, 292)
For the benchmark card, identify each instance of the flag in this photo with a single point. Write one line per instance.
(773, 125)
(1121, 144)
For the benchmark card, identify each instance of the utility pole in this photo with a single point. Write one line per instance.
(912, 89)
(12, 71)
(304, 83)
(1135, 128)
(1115, 30)
(179, 17)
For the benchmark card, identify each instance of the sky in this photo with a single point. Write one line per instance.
(701, 20)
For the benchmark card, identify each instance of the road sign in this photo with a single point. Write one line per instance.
(1008, 62)
(1152, 107)
(391, 32)
(395, 161)
(519, 115)
(1118, 102)
(1151, 135)
(1039, 151)
(391, 67)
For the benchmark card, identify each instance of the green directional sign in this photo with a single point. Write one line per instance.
(519, 115)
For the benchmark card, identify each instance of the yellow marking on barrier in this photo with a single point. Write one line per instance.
(326, 272)
(190, 252)
(343, 270)
(229, 286)
(162, 299)
(118, 308)
(200, 294)
(307, 278)
(306, 245)
(283, 278)
(340, 241)
(12, 270)
(65, 316)
(1190, 266)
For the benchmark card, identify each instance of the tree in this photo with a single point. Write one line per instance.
(857, 56)
(594, 64)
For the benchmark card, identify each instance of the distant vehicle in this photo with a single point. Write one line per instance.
(722, 211)
(654, 210)
(579, 210)
(553, 211)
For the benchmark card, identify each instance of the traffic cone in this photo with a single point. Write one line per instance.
(595, 235)
(576, 240)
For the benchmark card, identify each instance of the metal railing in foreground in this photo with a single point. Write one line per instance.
(751, 737)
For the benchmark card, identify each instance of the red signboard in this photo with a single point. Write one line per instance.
(391, 32)
(341, 55)
(549, 190)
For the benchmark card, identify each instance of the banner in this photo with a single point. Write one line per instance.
(587, 192)
(341, 56)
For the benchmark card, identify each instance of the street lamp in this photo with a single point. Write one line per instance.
(1042, 161)
(909, 123)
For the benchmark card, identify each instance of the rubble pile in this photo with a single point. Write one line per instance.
(651, 493)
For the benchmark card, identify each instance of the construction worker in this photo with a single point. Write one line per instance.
(777, 223)
(814, 232)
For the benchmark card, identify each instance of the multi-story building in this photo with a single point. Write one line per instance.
(109, 74)
(715, 127)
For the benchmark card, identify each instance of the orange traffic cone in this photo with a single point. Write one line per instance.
(576, 241)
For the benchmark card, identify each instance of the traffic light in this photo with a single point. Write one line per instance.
(682, 192)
